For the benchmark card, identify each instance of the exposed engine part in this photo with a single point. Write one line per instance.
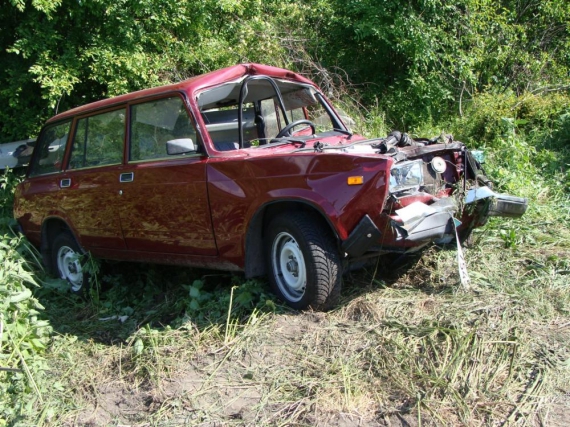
(438, 164)
(396, 139)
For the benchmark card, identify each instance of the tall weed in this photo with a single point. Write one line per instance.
(24, 335)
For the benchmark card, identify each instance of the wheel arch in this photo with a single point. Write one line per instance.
(254, 250)
(51, 227)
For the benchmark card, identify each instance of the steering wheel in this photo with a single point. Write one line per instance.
(286, 131)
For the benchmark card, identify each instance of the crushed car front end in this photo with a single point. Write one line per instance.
(437, 192)
(296, 195)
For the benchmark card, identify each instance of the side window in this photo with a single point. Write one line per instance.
(98, 140)
(50, 149)
(156, 122)
(222, 125)
(273, 117)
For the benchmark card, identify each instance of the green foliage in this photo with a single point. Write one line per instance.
(88, 50)
(210, 306)
(527, 136)
(24, 334)
(425, 58)
(8, 182)
(422, 60)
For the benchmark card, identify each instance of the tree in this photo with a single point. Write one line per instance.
(60, 54)
(422, 56)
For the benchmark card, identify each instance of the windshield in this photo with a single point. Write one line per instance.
(272, 111)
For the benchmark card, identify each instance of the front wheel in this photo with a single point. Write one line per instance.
(303, 262)
(67, 263)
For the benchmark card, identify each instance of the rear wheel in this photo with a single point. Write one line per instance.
(303, 261)
(67, 263)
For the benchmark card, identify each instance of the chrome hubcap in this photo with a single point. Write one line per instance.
(69, 267)
(289, 266)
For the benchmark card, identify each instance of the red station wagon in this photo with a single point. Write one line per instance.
(248, 168)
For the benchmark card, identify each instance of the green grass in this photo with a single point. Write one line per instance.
(408, 345)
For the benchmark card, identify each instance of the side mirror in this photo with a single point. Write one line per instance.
(180, 146)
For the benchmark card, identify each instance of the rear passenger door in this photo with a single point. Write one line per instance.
(41, 193)
(90, 185)
(164, 200)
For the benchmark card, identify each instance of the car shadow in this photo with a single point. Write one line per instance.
(126, 297)
(399, 270)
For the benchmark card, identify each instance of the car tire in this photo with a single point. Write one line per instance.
(67, 263)
(303, 262)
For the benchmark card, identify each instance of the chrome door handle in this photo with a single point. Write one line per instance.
(127, 177)
(65, 182)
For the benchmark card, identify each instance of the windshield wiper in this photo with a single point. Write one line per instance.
(275, 142)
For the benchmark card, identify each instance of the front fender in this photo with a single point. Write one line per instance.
(238, 189)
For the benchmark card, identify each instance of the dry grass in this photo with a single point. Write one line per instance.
(406, 347)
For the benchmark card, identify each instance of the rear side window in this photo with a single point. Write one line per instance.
(50, 149)
(156, 122)
(98, 140)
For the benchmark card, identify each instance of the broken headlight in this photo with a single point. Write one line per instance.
(406, 176)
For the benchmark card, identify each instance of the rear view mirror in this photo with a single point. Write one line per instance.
(180, 146)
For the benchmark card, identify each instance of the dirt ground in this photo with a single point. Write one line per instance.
(244, 384)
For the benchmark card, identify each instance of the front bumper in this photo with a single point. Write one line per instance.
(437, 222)
(508, 206)
(419, 223)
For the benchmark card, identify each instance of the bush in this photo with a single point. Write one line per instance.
(527, 138)
(24, 336)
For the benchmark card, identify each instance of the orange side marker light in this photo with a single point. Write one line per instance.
(355, 180)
